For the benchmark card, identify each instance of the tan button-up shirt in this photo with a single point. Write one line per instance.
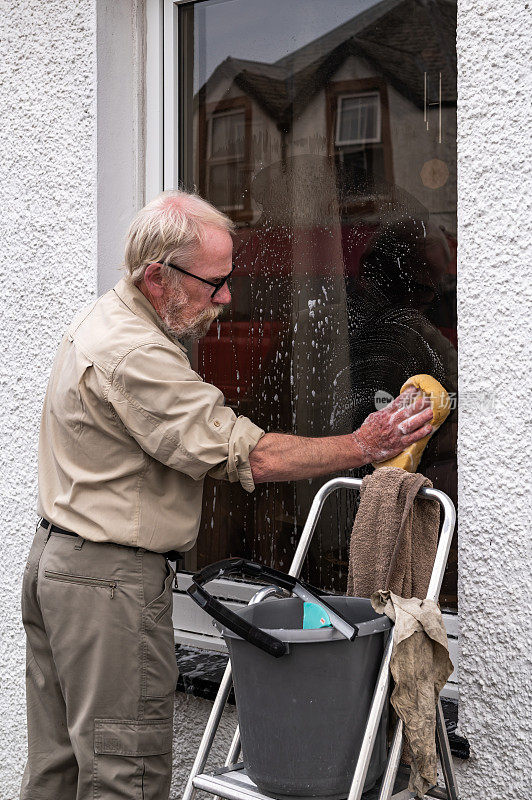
(129, 431)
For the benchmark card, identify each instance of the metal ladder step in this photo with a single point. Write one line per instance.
(233, 783)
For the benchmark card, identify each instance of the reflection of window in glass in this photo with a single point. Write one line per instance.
(360, 137)
(226, 161)
(359, 119)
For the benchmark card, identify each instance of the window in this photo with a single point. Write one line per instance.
(358, 119)
(224, 144)
(360, 140)
(331, 141)
(225, 181)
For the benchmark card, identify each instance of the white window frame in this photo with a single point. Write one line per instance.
(192, 626)
(350, 142)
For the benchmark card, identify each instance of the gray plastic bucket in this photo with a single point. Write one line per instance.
(302, 716)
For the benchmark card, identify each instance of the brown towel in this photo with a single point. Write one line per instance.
(420, 667)
(393, 546)
(395, 536)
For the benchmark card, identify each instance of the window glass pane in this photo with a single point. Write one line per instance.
(227, 135)
(358, 119)
(346, 236)
(225, 187)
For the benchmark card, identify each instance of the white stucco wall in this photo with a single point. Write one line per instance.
(52, 229)
(190, 718)
(494, 314)
(48, 267)
(69, 79)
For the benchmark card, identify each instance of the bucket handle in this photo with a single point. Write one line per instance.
(246, 630)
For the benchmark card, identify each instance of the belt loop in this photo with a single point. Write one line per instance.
(79, 544)
(49, 530)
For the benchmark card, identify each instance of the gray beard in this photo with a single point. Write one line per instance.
(174, 321)
(194, 329)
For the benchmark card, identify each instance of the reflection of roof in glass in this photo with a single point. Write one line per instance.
(402, 39)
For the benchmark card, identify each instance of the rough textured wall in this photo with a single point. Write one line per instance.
(48, 266)
(494, 311)
(191, 715)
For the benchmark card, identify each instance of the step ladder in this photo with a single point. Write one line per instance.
(232, 782)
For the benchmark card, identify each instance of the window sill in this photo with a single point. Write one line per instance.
(458, 744)
(201, 672)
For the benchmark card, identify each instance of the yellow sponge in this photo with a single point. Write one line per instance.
(441, 405)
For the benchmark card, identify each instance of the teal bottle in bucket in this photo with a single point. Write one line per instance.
(303, 693)
(315, 616)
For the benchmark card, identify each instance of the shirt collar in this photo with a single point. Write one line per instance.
(141, 306)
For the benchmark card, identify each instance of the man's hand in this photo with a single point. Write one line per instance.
(386, 433)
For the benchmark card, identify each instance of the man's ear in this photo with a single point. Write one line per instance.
(153, 279)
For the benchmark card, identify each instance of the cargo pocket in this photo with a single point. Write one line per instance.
(160, 665)
(132, 758)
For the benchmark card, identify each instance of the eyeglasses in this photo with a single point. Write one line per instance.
(217, 284)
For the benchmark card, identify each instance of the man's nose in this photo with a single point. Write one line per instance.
(223, 296)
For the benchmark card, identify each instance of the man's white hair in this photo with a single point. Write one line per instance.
(170, 228)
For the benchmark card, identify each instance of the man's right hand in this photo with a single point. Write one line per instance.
(386, 433)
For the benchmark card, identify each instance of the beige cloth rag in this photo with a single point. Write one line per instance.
(395, 535)
(420, 667)
(392, 551)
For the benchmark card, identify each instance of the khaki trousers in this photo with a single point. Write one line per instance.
(101, 671)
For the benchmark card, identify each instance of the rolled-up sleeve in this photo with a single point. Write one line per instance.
(178, 419)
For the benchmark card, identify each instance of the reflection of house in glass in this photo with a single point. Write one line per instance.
(337, 163)
(366, 94)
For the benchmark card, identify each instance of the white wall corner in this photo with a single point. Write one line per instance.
(121, 59)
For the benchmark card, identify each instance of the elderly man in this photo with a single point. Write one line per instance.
(128, 433)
